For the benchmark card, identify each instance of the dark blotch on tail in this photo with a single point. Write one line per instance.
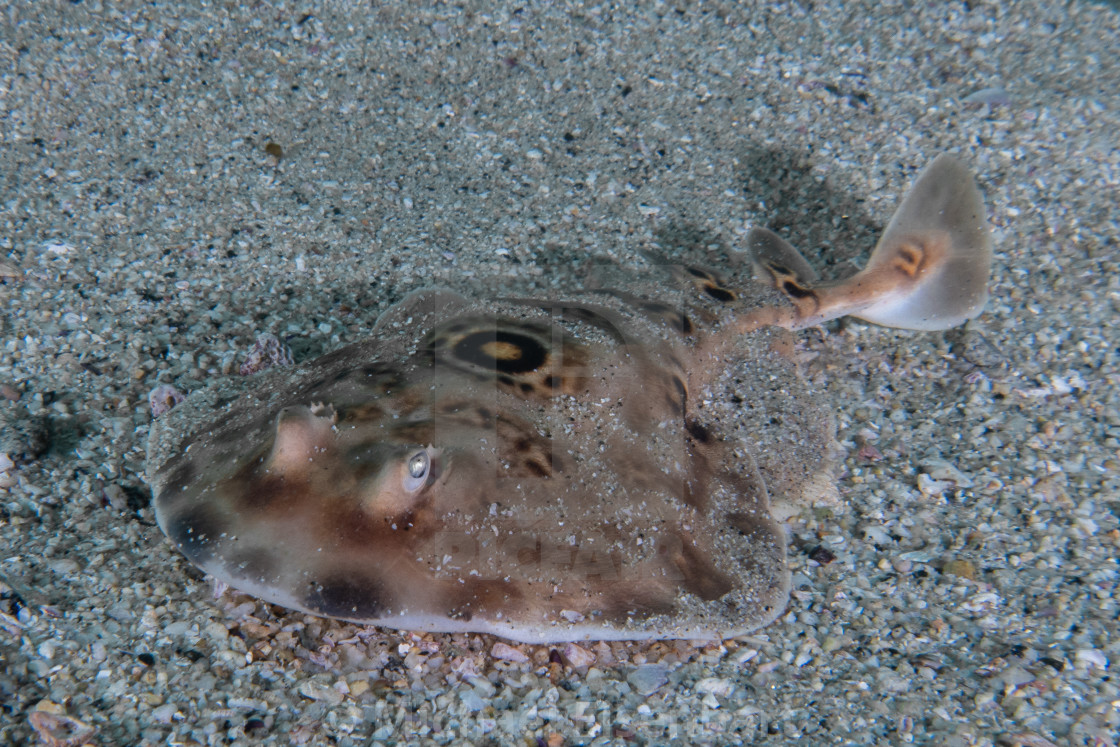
(793, 290)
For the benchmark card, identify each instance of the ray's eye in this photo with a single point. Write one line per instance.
(419, 466)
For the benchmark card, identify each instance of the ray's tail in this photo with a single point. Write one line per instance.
(929, 270)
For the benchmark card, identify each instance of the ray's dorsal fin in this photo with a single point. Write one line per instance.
(773, 254)
(929, 270)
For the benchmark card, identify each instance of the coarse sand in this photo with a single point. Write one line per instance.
(178, 178)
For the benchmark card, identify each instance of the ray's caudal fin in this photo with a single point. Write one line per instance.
(929, 270)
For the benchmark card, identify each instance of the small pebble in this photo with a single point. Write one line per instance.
(7, 467)
(1091, 658)
(163, 398)
(316, 690)
(472, 701)
(165, 713)
(647, 678)
(58, 730)
(931, 487)
(941, 470)
(716, 686)
(988, 98)
(961, 568)
(505, 652)
(267, 352)
(577, 656)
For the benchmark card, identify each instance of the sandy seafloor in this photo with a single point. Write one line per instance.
(148, 235)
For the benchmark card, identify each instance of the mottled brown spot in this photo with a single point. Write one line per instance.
(465, 412)
(537, 469)
(265, 491)
(454, 406)
(356, 529)
(378, 370)
(752, 526)
(701, 577)
(348, 596)
(195, 532)
(529, 555)
(793, 290)
(699, 431)
(720, 294)
(908, 259)
(415, 433)
(528, 453)
(680, 400)
(367, 412)
(638, 600)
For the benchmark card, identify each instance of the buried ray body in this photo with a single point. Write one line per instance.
(551, 469)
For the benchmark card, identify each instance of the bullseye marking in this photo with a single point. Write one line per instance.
(506, 352)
